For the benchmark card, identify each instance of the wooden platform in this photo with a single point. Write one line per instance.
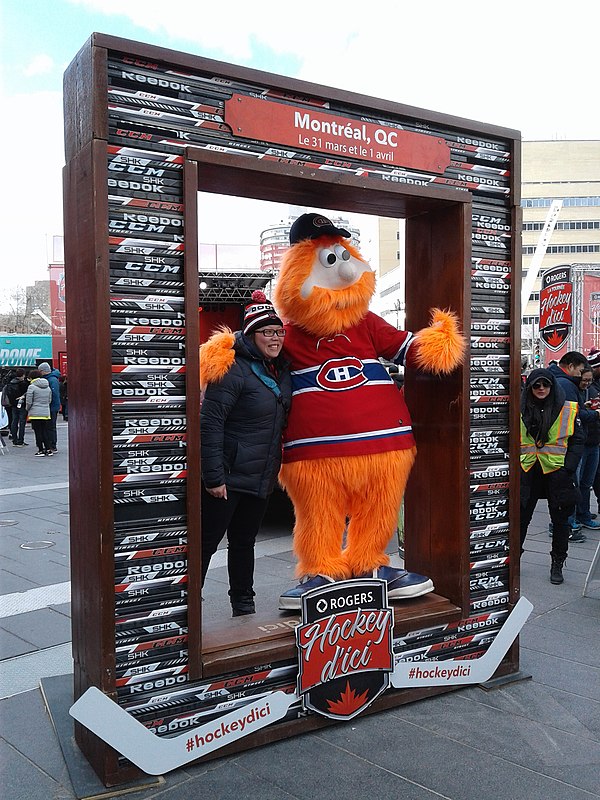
(266, 637)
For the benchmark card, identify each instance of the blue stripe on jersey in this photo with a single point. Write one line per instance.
(304, 379)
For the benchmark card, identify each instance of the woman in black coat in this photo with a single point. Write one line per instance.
(246, 399)
(552, 440)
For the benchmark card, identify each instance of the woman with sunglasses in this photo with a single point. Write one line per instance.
(552, 440)
(246, 398)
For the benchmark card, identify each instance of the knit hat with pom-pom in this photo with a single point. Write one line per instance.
(259, 314)
(594, 358)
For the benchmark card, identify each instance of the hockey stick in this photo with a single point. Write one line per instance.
(155, 755)
(456, 671)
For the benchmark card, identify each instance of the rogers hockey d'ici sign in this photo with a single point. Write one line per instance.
(311, 129)
(344, 647)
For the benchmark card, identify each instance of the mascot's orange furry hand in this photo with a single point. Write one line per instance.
(348, 447)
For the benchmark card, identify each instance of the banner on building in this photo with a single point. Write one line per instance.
(556, 307)
(590, 308)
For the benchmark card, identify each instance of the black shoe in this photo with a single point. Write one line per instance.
(243, 604)
(577, 536)
(556, 574)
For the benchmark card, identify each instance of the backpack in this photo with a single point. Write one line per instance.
(6, 402)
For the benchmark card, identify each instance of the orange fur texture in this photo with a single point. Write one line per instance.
(367, 489)
(324, 311)
(440, 348)
(216, 356)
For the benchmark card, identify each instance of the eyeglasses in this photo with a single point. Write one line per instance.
(270, 332)
(541, 384)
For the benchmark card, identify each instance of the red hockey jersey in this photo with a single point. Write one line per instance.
(344, 402)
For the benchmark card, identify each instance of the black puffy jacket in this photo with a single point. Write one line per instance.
(243, 414)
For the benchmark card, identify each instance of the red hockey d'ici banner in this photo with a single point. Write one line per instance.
(590, 308)
(307, 128)
(556, 304)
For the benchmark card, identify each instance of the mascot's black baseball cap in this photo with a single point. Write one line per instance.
(311, 226)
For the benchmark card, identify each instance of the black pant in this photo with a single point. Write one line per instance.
(17, 425)
(42, 430)
(53, 435)
(240, 516)
(558, 514)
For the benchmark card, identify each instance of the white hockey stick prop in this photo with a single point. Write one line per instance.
(451, 672)
(155, 755)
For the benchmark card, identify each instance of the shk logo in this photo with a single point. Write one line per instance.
(344, 647)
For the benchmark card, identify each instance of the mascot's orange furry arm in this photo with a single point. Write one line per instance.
(348, 447)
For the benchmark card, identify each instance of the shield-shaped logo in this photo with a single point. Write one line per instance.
(344, 647)
(556, 299)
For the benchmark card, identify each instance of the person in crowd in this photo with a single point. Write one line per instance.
(37, 402)
(64, 398)
(52, 376)
(552, 440)
(568, 373)
(5, 380)
(588, 466)
(246, 389)
(594, 362)
(16, 391)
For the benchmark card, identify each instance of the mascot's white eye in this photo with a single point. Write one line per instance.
(341, 252)
(327, 258)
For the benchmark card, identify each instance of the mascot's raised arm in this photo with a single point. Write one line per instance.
(348, 446)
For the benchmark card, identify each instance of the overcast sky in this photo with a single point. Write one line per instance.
(528, 65)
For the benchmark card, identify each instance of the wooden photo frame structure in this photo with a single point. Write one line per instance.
(145, 130)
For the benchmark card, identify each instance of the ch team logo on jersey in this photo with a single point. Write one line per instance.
(341, 374)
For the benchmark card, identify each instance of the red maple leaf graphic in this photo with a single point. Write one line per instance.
(555, 340)
(348, 703)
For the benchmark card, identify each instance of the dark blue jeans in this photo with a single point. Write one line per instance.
(52, 429)
(17, 425)
(586, 472)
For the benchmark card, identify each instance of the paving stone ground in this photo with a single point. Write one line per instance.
(537, 739)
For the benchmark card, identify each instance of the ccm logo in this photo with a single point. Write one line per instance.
(341, 374)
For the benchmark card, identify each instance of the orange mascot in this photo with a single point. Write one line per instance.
(348, 446)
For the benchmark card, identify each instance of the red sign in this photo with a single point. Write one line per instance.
(307, 128)
(57, 310)
(344, 647)
(556, 300)
(590, 307)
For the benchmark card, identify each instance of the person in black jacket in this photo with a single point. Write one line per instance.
(568, 374)
(246, 398)
(552, 440)
(16, 391)
(586, 472)
(594, 362)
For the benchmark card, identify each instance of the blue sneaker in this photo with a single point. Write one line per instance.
(592, 524)
(401, 584)
(292, 599)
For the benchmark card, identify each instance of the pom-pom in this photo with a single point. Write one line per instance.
(259, 296)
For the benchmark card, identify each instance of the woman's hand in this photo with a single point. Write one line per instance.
(218, 491)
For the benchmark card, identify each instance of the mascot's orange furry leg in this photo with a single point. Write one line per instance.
(375, 501)
(320, 509)
(368, 489)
